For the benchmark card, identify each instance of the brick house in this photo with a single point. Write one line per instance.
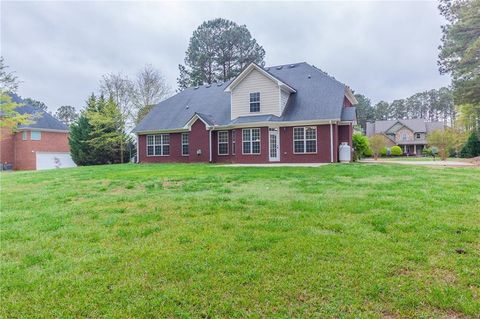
(43, 144)
(291, 113)
(410, 135)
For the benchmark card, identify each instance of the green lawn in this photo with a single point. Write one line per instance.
(206, 241)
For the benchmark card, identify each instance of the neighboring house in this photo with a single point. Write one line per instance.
(291, 113)
(43, 144)
(410, 135)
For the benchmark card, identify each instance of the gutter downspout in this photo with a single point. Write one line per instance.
(210, 145)
(331, 142)
(138, 153)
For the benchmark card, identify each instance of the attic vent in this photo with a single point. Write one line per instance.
(279, 67)
(292, 66)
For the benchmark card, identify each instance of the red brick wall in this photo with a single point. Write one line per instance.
(6, 146)
(24, 151)
(198, 140)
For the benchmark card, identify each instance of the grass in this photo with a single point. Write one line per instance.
(205, 241)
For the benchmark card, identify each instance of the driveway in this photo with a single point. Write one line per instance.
(422, 163)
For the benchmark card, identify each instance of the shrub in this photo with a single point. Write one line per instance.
(377, 143)
(472, 147)
(383, 151)
(368, 153)
(396, 151)
(360, 145)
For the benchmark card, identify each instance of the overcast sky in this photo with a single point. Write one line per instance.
(385, 50)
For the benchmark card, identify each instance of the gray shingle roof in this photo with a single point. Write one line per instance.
(416, 125)
(41, 119)
(318, 96)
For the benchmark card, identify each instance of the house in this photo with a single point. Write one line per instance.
(410, 135)
(292, 113)
(42, 144)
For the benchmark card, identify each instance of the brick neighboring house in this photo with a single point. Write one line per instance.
(410, 135)
(42, 144)
(292, 113)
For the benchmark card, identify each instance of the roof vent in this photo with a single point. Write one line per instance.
(195, 88)
(292, 66)
(208, 85)
(309, 76)
(187, 107)
(219, 83)
(279, 67)
(267, 69)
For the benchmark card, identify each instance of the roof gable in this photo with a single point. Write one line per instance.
(253, 66)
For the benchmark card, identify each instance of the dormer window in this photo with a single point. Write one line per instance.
(255, 102)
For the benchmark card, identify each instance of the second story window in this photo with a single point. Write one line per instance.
(35, 135)
(255, 102)
(404, 136)
(418, 135)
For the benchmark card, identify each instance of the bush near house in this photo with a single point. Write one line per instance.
(360, 146)
(472, 147)
(396, 151)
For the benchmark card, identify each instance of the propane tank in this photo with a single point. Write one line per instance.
(345, 152)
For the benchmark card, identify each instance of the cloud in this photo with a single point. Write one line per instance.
(385, 50)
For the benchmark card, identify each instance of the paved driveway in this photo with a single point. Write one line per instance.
(423, 163)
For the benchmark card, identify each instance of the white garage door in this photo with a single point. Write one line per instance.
(49, 160)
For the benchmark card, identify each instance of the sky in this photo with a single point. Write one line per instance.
(385, 50)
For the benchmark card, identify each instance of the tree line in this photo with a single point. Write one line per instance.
(432, 105)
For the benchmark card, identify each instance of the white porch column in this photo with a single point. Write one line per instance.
(415, 149)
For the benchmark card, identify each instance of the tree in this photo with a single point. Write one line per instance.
(365, 111)
(121, 90)
(468, 116)
(8, 80)
(360, 146)
(218, 50)
(460, 49)
(444, 140)
(80, 133)
(67, 114)
(472, 147)
(377, 143)
(107, 135)
(150, 89)
(382, 111)
(10, 118)
(38, 104)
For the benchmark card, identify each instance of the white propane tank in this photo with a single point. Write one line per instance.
(345, 153)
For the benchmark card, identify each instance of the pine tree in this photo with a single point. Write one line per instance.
(80, 134)
(472, 147)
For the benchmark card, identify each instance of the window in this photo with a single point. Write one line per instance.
(185, 150)
(35, 135)
(24, 135)
(255, 102)
(158, 145)
(223, 143)
(251, 141)
(404, 136)
(418, 135)
(233, 142)
(305, 140)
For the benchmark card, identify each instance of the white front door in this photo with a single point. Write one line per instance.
(273, 144)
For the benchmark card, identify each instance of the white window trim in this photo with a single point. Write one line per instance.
(183, 144)
(24, 136)
(251, 141)
(39, 136)
(234, 141)
(259, 102)
(305, 140)
(161, 145)
(218, 144)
